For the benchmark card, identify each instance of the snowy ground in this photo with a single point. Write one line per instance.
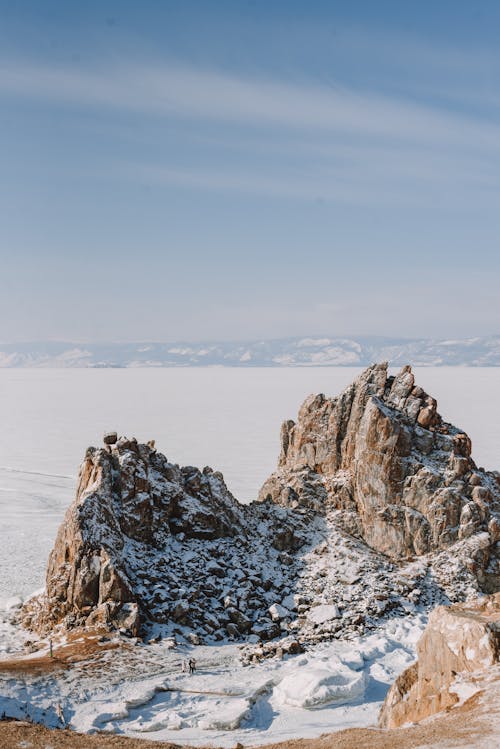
(141, 691)
(226, 418)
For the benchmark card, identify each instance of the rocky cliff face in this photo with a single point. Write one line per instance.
(147, 539)
(460, 644)
(376, 507)
(400, 477)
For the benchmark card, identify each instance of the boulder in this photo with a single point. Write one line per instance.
(278, 612)
(239, 619)
(457, 640)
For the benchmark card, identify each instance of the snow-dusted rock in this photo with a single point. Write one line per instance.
(278, 612)
(323, 613)
(400, 478)
(370, 514)
(457, 640)
(147, 540)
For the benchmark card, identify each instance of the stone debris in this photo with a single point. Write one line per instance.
(252, 654)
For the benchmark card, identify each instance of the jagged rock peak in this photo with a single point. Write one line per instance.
(400, 477)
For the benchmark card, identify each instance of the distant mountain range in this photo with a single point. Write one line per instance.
(319, 351)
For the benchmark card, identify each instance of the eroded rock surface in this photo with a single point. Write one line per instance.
(376, 508)
(400, 477)
(458, 642)
(148, 540)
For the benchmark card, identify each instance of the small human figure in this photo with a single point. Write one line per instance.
(60, 714)
(184, 666)
(192, 665)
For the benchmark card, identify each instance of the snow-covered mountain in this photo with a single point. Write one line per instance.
(281, 352)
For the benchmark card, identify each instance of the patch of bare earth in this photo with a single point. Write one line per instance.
(79, 646)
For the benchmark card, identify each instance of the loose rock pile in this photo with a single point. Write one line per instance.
(376, 508)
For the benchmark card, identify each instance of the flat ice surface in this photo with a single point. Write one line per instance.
(226, 418)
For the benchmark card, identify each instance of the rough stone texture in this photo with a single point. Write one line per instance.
(147, 540)
(402, 479)
(457, 640)
(369, 514)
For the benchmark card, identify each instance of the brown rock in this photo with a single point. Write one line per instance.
(369, 454)
(494, 530)
(426, 416)
(457, 640)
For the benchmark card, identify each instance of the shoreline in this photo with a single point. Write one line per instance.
(468, 725)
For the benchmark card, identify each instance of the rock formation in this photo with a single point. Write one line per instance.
(458, 642)
(147, 539)
(401, 478)
(376, 507)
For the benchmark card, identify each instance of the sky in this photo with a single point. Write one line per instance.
(218, 170)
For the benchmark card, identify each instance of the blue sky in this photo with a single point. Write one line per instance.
(217, 170)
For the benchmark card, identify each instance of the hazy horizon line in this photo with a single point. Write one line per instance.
(250, 339)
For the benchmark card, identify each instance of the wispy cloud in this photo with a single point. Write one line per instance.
(325, 142)
(171, 90)
(365, 176)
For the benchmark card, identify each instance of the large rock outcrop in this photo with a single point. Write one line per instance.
(400, 477)
(148, 540)
(460, 643)
(376, 507)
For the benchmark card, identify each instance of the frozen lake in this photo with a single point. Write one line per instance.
(226, 418)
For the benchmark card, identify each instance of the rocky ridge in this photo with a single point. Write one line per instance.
(376, 507)
(398, 476)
